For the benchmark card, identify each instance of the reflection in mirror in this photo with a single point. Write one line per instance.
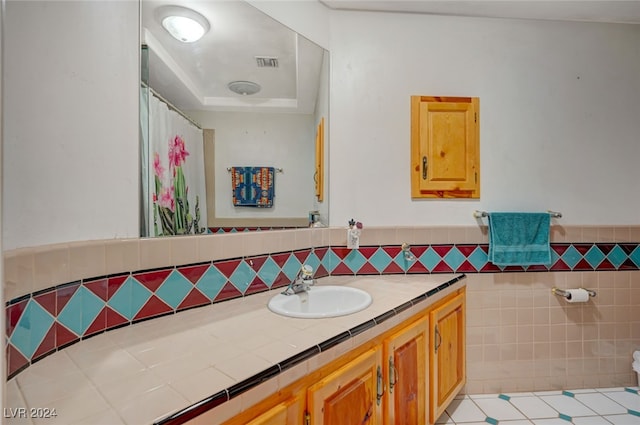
(258, 157)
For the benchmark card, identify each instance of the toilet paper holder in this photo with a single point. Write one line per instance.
(567, 295)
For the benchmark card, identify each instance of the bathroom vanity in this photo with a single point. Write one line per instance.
(403, 371)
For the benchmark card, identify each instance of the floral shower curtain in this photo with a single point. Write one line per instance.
(176, 173)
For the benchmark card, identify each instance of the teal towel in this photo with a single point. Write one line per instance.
(519, 239)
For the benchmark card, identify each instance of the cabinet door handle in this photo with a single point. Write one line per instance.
(393, 374)
(438, 339)
(424, 168)
(380, 386)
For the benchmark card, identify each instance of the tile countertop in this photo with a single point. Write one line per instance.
(145, 372)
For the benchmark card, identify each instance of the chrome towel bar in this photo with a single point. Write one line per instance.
(480, 214)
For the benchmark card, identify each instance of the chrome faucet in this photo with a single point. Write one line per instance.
(302, 282)
(406, 249)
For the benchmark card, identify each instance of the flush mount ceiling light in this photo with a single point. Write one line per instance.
(183, 24)
(244, 87)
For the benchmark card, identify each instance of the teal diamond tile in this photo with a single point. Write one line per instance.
(380, 260)
(635, 256)
(478, 258)
(491, 420)
(568, 393)
(504, 397)
(174, 288)
(565, 417)
(454, 258)
(81, 310)
(313, 261)
(269, 271)
(617, 256)
(211, 282)
(242, 276)
(32, 327)
(571, 257)
(130, 298)
(430, 259)
(291, 267)
(354, 260)
(594, 256)
(330, 261)
(633, 412)
(402, 262)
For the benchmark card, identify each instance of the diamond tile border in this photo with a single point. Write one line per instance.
(73, 311)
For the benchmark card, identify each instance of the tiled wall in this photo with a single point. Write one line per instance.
(520, 335)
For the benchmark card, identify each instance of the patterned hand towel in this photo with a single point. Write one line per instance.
(519, 239)
(253, 186)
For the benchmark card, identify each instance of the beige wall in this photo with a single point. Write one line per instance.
(520, 335)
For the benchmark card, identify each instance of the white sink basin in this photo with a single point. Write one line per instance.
(321, 301)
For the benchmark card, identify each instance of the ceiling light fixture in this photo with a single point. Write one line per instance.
(183, 24)
(244, 87)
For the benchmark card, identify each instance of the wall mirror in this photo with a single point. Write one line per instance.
(256, 94)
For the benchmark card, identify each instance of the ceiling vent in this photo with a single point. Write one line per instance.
(266, 62)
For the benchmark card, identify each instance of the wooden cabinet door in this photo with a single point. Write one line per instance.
(290, 412)
(352, 395)
(445, 154)
(447, 341)
(406, 365)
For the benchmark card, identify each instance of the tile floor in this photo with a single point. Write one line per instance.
(603, 406)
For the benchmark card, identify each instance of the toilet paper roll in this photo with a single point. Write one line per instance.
(578, 295)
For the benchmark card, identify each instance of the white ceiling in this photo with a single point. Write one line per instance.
(194, 76)
(613, 11)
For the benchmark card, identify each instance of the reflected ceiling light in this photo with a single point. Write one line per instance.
(183, 24)
(244, 87)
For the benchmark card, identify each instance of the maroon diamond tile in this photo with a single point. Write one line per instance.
(606, 248)
(513, 269)
(15, 360)
(280, 259)
(302, 255)
(442, 267)
(393, 268)
(228, 292)
(114, 318)
(583, 265)
(99, 287)
(342, 269)
(194, 273)
(559, 265)
(256, 286)
(63, 335)
(560, 248)
(227, 267)
(340, 252)
(99, 324)
(628, 248)
(47, 301)
(537, 268)
(283, 280)
(442, 250)
(114, 283)
(417, 267)
(604, 265)
(466, 267)
(584, 248)
(321, 272)
(320, 252)
(14, 312)
(153, 307)
(391, 250)
(490, 268)
(256, 262)
(368, 251)
(466, 250)
(47, 345)
(418, 250)
(63, 295)
(152, 280)
(628, 265)
(367, 268)
(194, 298)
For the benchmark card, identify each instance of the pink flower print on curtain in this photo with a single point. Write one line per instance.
(171, 204)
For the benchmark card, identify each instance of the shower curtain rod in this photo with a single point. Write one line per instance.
(170, 105)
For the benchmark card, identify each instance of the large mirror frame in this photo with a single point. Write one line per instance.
(284, 125)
